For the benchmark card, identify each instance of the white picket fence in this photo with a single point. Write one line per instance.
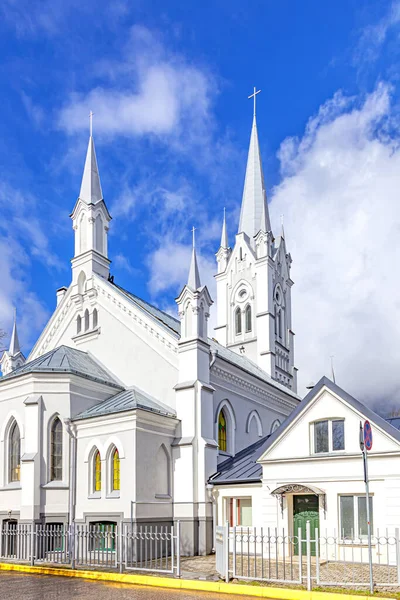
(264, 554)
(139, 548)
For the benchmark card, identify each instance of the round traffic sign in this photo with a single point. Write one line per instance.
(367, 435)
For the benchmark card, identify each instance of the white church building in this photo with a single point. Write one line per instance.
(121, 413)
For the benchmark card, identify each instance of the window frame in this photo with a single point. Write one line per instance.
(248, 326)
(10, 455)
(357, 538)
(330, 450)
(238, 321)
(115, 463)
(96, 482)
(232, 510)
(56, 420)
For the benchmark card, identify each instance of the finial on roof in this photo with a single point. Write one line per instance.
(194, 276)
(14, 341)
(91, 191)
(282, 228)
(224, 234)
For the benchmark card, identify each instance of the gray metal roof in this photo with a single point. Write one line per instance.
(394, 421)
(364, 410)
(67, 360)
(243, 467)
(124, 401)
(165, 319)
(225, 353)
(248, 365)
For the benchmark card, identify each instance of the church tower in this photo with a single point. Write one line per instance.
(253, 281)
(90, 219)
(13, 357)
(195, 451)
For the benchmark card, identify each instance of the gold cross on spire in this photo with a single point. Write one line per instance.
(253, 95)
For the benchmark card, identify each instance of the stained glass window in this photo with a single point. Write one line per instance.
(222, 431)
(56, 451)
(97, 472)
(15, 453)
(115, 470)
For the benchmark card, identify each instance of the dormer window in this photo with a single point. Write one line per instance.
(328, 436)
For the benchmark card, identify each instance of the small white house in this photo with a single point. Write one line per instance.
(311, 468)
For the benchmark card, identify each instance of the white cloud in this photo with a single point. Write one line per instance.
(373, 37)
(148, 91)
(340, 194)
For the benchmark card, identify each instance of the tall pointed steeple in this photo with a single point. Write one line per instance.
(254, 212)
(91, 220)
(224, 234)
(194, 276)
(14, 342)
(12, 358)
(91, 191)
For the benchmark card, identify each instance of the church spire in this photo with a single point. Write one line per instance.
(224, 234)
(254, 212)
(14, 342)
(91, 192)
(194, 276)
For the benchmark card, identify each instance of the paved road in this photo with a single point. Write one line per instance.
(18, 586)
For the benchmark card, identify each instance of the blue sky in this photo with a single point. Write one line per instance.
(168, 83)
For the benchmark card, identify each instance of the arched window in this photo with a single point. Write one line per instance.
(248, 318)
(115, 479)
(14, 453)
(238, 321)
(97, 472)
(86, 319)
(56, 434)
(222, 431)
(79, 324)
(95, 318)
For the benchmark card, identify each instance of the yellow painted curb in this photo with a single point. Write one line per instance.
(186, 584)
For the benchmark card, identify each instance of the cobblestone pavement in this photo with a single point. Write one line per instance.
(18, 586)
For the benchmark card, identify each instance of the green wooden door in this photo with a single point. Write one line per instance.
(305, 508)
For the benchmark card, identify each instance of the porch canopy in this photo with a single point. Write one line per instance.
(299, 488)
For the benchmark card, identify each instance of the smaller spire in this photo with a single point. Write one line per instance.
(14, 342)
(224, 235)
(91, 191)
(282, 228)
(194, 276)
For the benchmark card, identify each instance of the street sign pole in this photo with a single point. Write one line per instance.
(365, 445)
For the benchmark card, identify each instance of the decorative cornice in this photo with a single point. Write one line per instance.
(275, 402)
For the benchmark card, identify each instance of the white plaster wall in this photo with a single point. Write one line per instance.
(63, 395)
(138, 439)
(128, 343)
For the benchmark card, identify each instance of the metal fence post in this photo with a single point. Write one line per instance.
(397, 536)
(300, 547)
(226, 551)
(316, 535)
(33, 543)
(308, 549)
(72, 544)
(120, 534)
(178, 548)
